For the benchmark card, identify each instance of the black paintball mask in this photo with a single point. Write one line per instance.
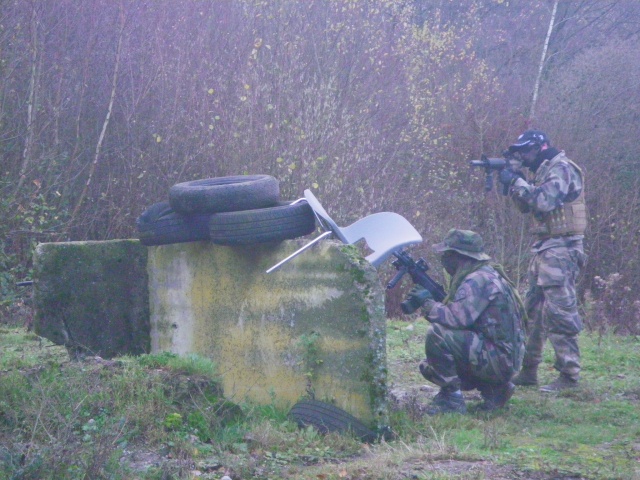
(529, 141)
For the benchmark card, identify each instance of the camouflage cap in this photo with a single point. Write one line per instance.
(465, 242)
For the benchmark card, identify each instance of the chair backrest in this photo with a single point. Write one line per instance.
(384, 232)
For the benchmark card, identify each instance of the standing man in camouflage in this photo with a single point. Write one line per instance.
(555, 198)
(476, 337)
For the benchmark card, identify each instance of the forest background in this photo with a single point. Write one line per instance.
(375, 105)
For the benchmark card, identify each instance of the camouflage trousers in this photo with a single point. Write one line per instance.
(552, 307)
(462, 359)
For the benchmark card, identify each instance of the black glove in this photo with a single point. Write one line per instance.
(508, 176)
(417, 297)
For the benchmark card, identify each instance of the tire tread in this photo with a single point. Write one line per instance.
(329, 418)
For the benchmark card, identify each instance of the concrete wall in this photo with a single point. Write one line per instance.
(315, 325)
(93, 297)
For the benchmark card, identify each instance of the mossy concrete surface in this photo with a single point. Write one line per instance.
(315, 327)
(93, 296)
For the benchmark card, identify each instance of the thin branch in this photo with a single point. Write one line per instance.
(541, 66)
(105, 124)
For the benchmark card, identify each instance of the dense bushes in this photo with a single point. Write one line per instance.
(375, 105)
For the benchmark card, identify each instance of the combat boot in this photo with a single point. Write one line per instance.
(495, 396)
(527, 376)
(563, 382)
(447, 401)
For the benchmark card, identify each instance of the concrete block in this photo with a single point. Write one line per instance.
(93, 296)
(314, 327)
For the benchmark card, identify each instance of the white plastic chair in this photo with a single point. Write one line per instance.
(384, 233)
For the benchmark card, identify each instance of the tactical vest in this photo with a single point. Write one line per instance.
(568, 219)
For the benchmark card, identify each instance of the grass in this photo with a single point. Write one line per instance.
(592, 432)
(162, 416)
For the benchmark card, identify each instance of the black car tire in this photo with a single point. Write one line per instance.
(325, 418)
(160, 225)
(224, 194)
(286, 220)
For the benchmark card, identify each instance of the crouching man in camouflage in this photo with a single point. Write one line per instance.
(476, 337)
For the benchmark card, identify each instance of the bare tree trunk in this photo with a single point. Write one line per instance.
(105, 124)
(536, 87)
(34, 83)
(70, 174)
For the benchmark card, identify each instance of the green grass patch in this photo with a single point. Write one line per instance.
(97, 418)
(593, 431)
(21, 350)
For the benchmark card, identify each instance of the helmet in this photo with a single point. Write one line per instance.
(464, 242)
(530, 138)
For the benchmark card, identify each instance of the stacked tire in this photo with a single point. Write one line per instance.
(235, 210)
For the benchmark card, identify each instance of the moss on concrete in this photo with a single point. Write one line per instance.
(93, 296)
(315, 326)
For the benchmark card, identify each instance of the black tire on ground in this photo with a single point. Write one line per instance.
(284, 221)
(325, 418)
(160, 225)
(224, 194)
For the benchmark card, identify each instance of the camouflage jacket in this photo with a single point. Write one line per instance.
(485, 304)
(557, 181)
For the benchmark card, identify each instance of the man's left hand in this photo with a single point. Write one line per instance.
(417, 297)
(508, 176)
